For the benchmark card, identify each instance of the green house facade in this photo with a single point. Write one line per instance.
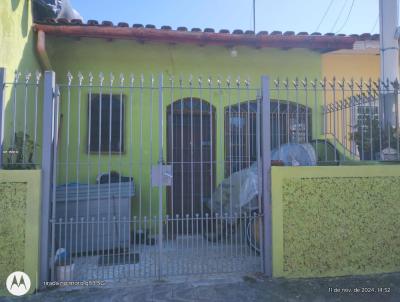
(97, 63)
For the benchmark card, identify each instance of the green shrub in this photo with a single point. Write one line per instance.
(371, 137)
(20, 156)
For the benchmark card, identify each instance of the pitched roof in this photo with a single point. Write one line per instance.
(208, 36)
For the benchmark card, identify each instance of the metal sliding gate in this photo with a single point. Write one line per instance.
(158, 177)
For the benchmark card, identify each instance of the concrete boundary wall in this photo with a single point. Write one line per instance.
(335, 221)
(19, 225)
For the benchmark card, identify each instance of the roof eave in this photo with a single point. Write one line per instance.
(200, 38)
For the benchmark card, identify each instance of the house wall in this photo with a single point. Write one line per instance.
(19, 227)
(16, 37)
(347, 65)
(97, 55)
(17, 53)
(334, 221)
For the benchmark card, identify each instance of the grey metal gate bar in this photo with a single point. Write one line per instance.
(49, 134)
(266, 176)
(160, 162)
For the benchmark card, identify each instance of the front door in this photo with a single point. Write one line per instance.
(191, 152)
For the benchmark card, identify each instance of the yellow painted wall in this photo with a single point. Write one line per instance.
(357, 65)
(335, 221)
(19, 225)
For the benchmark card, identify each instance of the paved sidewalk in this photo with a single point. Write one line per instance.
(234, 289)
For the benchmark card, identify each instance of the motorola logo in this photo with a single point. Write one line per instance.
(18, 283)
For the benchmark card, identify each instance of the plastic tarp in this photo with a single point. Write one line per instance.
(239, 192)
(295, 154)
(235, 194)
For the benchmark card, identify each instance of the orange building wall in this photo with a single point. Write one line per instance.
(349, 66)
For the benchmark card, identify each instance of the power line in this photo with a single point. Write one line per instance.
(375, 24)
(348, 17)
(339, 15)
(323, 17)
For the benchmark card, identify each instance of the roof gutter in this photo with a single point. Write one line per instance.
(200, 38)
(41, 50)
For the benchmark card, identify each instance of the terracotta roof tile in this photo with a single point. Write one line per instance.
(92, 22)
(51, 21)
(288, 33)
(209, 30)
(76, 21)
(365, 36)
(237, 32)
(107, 23)
(123, 24)
(62, 21)
(375, 37)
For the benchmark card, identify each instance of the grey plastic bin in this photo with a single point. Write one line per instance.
(87, 216)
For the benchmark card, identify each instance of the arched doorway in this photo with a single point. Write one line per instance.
(191, 153)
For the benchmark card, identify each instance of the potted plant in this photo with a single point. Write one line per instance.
(20, 156)
(64, 269)
(64, 265)
(370, 137)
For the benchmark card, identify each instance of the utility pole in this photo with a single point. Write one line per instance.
(254, 16)
(389, 55)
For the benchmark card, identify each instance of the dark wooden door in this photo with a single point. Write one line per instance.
(191, 152)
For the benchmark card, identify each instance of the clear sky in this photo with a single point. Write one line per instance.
(344, 16)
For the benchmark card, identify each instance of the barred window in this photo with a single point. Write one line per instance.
(290, 123)
(102, 124)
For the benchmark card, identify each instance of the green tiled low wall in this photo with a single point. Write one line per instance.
(332, 221)
(19, 225)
